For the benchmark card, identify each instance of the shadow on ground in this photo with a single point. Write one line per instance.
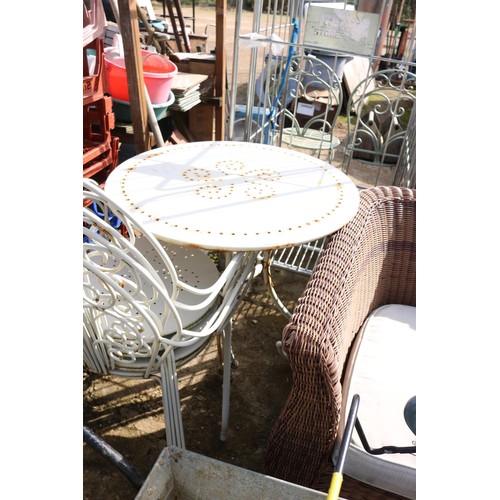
(128, 413)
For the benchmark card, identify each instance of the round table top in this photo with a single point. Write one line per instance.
(233, 196)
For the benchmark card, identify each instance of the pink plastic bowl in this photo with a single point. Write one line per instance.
(158, 84)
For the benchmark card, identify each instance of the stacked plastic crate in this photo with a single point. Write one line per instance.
(100, 148)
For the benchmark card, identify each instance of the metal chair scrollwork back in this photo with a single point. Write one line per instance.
(308, 107)
(378, 119)
(307, 112)
(149, 306)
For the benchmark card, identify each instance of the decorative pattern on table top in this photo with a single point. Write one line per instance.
(223, 181)
(221, 186)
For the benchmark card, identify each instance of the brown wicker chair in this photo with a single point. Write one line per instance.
(370, 262)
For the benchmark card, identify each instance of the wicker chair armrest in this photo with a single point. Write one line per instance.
(368, 263)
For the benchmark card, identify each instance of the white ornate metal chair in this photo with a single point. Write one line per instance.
(309, 106)
(380, 134)
(149, 306)
(379, 120)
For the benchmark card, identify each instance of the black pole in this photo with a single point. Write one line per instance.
(346, 438)
(109, 453)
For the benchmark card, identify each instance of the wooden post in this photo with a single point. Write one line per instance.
(220, 68)
(182, 23)
(173, 22)
(129, 29)
(382, 7)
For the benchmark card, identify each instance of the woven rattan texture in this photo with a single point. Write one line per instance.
(368, 263)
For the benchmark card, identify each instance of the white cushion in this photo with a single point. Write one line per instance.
(384, 376)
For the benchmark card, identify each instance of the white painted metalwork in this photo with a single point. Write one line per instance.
(270, 102)
(149, 306)
(234, 196)
(307, 108)
(378, 113)
(406, 170)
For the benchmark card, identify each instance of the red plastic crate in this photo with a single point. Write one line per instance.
(98, 121)
(94, 85)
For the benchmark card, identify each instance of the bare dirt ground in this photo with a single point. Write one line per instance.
(128, 414)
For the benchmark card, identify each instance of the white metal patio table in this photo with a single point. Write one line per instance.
(233, 197)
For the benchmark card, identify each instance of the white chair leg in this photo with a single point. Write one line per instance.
(171, 403)
(226, 380)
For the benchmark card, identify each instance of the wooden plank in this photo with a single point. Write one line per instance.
(182, 23)
(183, 82)
(355, 72)
(201, 122)
(129, 29)
(177, 138)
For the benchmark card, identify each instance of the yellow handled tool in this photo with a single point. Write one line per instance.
(337, 478)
